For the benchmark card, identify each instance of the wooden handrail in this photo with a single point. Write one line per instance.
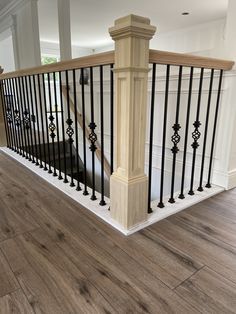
(155, 56)
(83, 62)
(98, 152)
(172, 58)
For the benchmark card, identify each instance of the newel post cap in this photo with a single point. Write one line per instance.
(132, 26)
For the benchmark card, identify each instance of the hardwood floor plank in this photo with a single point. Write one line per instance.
(69, 261)
(8, 282)
(209, 292)
(199, 247)
(216, 229)
(15, 303)
(51, 287)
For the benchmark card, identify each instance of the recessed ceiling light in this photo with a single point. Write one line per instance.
(185, 13)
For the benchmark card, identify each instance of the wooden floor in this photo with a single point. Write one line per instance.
(56, 257)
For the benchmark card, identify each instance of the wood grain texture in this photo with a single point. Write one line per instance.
(8, 282)
(172, 58)
(83, 62)
(15, 303)
(72, 262)
(209, 292)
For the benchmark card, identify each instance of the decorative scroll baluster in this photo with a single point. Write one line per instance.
(9, 114)
(11, 92)
(196, 133)
(85, 192)
(26, 119)
(63, 129)
(69, 130)
(52, 126)
(33, 119)
(57, 128)
(14, 122)
(92, 135)
(176, 137)
(17, 118)
(20, 108)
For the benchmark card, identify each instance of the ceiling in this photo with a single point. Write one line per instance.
(90, 19)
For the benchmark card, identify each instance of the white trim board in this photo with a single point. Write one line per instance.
(102, 211)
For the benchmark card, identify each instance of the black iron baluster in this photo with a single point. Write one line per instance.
(102, 201)
(200, 188)
(26, 119)
(112, 117)
(208, 185)
(57, 128)
(161, 204)
(52, 126)
(46, 121)
(69, 130)
(78, 188)
(196, 133)
(30, 119)
(9, 115)
(92, 135)
(151, 136)
(33, 119)
(63, 129)
(181, 196)
(42, 123)
(23, 134)
(176, 137)
(15, 117)
(10, 91)
(4, 112)
(84, 133)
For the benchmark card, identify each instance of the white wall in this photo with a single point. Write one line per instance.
(200, 39)
(52, 49)
(6, 52)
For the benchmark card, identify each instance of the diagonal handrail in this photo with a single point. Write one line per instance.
(98, 152)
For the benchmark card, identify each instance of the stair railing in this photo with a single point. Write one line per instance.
(34, 128)
(183, 112)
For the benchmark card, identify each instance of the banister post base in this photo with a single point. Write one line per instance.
(129, 200)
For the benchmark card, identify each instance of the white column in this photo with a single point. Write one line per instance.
(27, 40)
(230, 29)
(64, 29)
(15, 42)
(129, 184)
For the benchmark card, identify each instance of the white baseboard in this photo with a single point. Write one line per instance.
(231, 179)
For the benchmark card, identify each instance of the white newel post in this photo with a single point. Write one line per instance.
(129, 184)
